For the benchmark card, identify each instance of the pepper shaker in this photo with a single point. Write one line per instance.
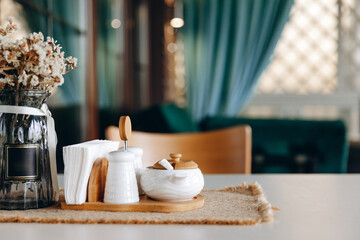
(121, 185)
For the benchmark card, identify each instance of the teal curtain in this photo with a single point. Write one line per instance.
(110, 51)
(72, 40)
(227, 45)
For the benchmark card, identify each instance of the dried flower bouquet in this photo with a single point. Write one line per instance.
(31, 62)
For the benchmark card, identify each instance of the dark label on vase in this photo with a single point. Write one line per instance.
(22, 161)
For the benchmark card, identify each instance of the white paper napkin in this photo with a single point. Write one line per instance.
(78, 161)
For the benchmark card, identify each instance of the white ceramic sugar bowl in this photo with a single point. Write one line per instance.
(181, 183)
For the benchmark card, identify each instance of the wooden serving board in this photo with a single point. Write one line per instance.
(145, 205)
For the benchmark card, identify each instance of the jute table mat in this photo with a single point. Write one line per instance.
(240, 205)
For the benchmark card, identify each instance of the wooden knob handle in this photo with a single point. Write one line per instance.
(175, 156)
(125, 128)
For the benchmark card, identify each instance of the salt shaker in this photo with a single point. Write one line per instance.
(137, 165)
(121, 184)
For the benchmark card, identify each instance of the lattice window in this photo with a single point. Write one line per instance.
(306, 57)
(315, 73)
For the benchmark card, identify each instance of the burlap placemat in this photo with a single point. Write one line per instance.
(240, 205)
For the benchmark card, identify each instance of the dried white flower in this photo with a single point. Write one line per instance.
(23, 78)
(7, 80)
(72, 61)
(34, 81)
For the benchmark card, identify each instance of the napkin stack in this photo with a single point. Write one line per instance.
(78, 161)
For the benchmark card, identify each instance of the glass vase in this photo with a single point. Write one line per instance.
(25, 177)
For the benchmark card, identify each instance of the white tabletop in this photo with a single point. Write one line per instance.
(312, 207)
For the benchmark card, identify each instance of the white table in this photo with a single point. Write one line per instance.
(312, 207)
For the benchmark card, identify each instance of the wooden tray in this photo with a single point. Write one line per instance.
(145, 205)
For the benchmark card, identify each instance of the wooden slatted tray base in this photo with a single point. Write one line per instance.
(144, 205)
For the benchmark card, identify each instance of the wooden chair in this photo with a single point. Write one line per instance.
(220, 151)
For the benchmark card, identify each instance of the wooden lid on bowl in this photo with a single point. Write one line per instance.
(178, 163)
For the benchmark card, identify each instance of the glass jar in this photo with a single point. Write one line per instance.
(25, 176)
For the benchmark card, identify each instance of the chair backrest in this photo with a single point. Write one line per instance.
(219, 151)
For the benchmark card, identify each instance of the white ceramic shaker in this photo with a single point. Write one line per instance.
(137, 165)
(121, 184)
